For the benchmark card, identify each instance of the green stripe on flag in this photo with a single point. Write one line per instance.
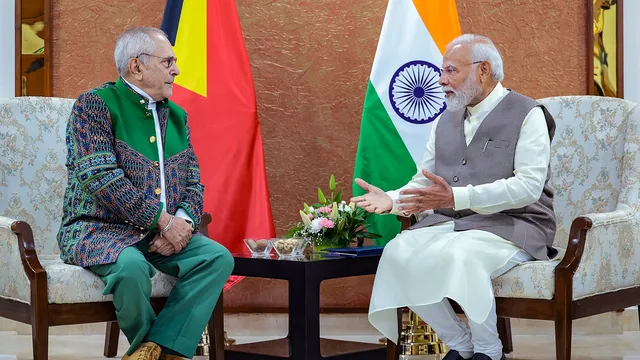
(382, 160)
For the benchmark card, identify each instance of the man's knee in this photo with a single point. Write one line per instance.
(394, 246)
(227, 262)
(134, 271)
(455, 253)
(216, 255)
(222, 259)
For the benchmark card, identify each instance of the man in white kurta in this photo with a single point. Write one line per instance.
(422, 268)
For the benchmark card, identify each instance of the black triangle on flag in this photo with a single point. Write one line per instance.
(171, 19)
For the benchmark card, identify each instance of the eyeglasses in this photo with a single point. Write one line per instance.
(168, 61)
(452, 70)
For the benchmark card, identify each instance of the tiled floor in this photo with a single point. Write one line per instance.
(607, 336)
(538, 347)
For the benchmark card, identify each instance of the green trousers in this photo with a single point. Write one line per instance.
(202, 269)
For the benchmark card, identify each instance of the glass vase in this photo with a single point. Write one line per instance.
(321, 245)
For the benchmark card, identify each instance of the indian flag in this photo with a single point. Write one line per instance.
(403, 97)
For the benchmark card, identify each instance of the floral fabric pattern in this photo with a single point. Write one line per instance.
(594, 173)
(594, 164)
(33, 179)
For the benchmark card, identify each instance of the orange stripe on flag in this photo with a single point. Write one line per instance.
(441, 19)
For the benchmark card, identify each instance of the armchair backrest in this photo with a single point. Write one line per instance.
(594, 157)
(595, 165)
(33, 176)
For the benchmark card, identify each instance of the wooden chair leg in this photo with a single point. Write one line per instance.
(504, 332)
(40, 338)
(393, 349)
(216, 332)
(111, 337)
(563, 336)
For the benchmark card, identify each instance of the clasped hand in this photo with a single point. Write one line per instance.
(175, 239)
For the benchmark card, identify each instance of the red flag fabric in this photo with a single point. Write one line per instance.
(216, 89)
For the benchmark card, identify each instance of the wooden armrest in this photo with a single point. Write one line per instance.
(29, 257)
(203, 227)
(575, 246)
(27, 248)
(567, 267)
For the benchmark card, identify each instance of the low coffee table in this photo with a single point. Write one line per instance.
(305, 275)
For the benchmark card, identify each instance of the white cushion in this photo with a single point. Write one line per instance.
(70, 284)
(529, 280)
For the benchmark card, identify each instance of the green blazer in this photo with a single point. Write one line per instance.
(113, 192)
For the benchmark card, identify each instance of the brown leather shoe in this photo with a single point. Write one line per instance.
(146, 351)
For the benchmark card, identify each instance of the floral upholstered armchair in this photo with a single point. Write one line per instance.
(595, 164)
(36, 287)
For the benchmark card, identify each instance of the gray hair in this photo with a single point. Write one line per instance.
(482, 49)
(132, 43)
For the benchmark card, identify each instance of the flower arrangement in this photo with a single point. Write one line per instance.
(331, 222)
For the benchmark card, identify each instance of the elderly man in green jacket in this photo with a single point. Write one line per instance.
(134, 201)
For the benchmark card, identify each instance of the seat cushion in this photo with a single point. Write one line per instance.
(529, 280)
(69, 284)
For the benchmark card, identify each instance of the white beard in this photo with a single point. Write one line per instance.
(464, 95)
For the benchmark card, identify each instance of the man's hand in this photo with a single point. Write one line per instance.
(374, 201)
(179, 234)
(439, 195)
(162, 246)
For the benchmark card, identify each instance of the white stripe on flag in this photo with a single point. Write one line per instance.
(404, 38)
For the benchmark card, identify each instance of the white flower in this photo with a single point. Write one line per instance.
(343, 202)
(315, 225)
(311, 209)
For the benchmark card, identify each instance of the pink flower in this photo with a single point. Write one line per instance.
(310, 216)
(326, 223)
(325, 209)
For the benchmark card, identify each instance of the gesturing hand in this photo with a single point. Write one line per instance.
(438, 195)
(374, 201)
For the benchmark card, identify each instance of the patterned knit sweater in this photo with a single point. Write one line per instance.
(112, 199)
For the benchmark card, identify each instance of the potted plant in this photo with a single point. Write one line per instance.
(331, 222)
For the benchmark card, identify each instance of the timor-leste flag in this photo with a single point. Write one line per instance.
(216, 89)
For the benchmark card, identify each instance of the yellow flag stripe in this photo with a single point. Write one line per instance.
(191, 46)
(441, 19)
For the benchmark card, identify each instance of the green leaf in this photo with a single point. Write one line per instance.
(338, 197)
(332, 183)
(306, 208)
(321, 197)
(293, 231)
(369, 235)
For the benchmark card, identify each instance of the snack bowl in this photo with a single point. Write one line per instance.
(259, 247)
(289, 247)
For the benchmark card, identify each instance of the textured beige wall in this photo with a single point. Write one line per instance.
(543, 43)
(84, 33)
(310, 62)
